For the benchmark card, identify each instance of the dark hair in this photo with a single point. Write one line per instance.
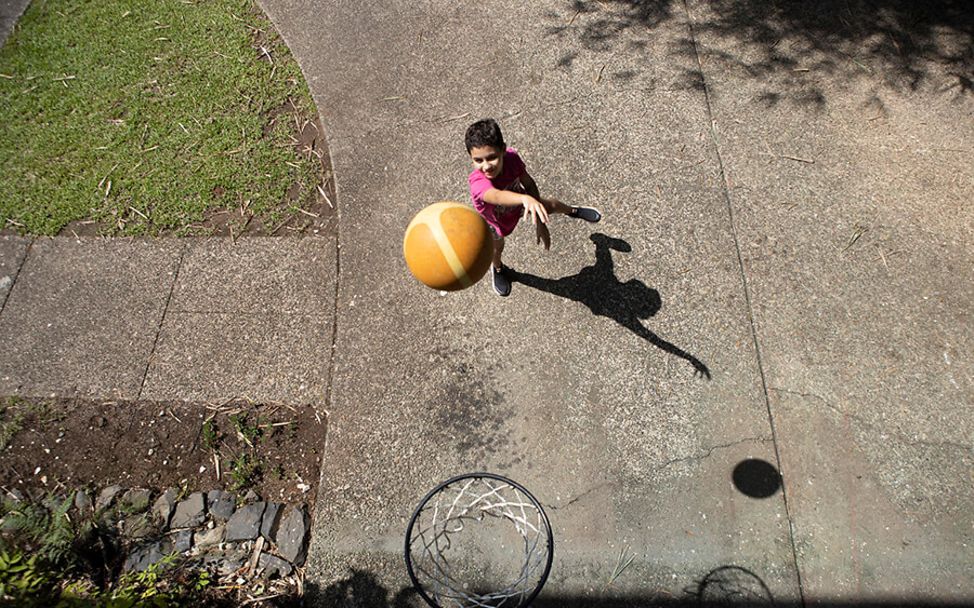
(484, 132)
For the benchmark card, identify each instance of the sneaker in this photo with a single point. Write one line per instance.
(500, 281)
(586, 213)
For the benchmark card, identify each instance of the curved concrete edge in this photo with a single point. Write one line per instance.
(10, 12)
(602, 426)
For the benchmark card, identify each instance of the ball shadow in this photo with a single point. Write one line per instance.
(756, 478)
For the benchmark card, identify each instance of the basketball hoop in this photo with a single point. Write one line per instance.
(479, 541)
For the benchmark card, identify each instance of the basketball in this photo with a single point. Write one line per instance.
(448, 246)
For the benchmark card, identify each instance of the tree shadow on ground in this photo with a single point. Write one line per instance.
(605, 295)
(798, 50)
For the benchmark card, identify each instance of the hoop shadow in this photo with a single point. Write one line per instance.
(605, 295)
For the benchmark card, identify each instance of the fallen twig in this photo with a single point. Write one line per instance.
(857, 233)
(255, 556)
(254, 600)
(450, 118)
(325, 196)
(621, 564)
(798, 158)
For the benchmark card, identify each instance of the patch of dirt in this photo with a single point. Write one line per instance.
(56, 444)
(317, 214)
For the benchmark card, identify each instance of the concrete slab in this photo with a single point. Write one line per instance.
(257, 275)
(252, 318)
(84, 316)
(215, 356)
(599, 414)
(13, 249)
(850, 174)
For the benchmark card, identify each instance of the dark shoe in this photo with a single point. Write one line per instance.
(586, 213)
(500, 281)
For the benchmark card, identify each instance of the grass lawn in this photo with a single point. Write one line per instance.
(148, 117)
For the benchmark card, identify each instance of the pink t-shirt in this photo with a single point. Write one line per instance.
(502, 218)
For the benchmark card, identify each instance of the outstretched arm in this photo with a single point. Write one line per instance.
(553, 205)
(505, 198)
(637, 328)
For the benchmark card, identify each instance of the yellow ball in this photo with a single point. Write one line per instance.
(448, 246)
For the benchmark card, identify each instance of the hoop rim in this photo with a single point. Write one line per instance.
(496, 477)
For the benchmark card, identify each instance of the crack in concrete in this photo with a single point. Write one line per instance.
(707, 454)
(579, 497)
(747, 292)
(162, 320)
(874, 427)
(13, 281)
(711, 450)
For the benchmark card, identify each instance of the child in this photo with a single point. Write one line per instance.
(503, 191)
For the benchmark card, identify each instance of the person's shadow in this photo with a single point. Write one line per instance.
(626, 303)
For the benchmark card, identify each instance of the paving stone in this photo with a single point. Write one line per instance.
(278, 276)
(190, 512)
(135, 500)
(163, 507)
(82, 502)
(292, 534)
(245, 522)
(268, 524)
(215, 355)
(271, 566)
(84, 315)
(213, 536)
(143, 557)
(221, 504)
(251, 496)
(183, 541)
(106, 496)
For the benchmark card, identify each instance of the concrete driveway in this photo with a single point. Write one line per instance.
(783, 279)
(786, 193)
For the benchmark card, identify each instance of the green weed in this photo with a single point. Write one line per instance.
(251, 432)
(209, 435)
(12, 415)
(244, 472)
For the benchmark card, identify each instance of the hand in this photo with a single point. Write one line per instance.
(543, 236)
(700, 369)
(534, 209)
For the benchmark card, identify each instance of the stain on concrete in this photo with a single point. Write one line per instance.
(469, 410)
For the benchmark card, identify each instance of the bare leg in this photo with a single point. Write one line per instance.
(498, 250)
(554, 205)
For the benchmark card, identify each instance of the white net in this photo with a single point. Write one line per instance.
(479, 542)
